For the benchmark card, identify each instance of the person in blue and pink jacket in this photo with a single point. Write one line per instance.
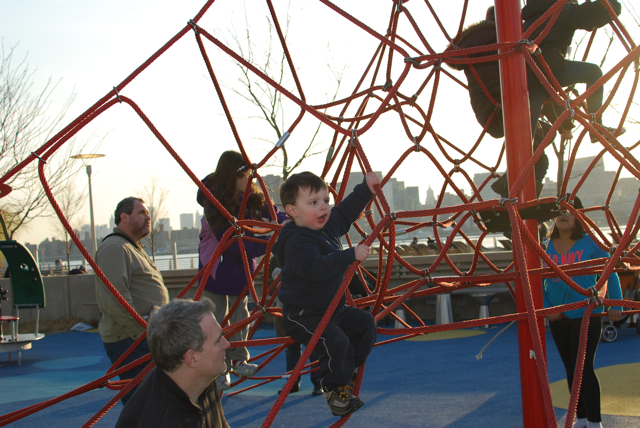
(569, 244)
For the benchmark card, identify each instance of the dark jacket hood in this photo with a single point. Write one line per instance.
(200, 197)
(286, 232)
(477, 34)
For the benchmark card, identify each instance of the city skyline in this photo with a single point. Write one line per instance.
(401, 198)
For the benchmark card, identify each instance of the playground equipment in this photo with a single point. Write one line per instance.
(351, 119)
(27, 293)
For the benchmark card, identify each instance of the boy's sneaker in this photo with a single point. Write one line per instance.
(594, 137)
(501, 187)
(244, 369)
(223, 382)
(342, 402)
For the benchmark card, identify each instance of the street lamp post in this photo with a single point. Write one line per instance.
(93, 225)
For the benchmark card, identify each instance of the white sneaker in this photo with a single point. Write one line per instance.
(223, 382)
(580, 423)
(242, 368)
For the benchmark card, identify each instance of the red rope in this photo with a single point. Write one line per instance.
(378, 92)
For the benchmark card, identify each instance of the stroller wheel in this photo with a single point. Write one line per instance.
(609, 333)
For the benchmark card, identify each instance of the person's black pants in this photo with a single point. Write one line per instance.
(292, 354)
(566, 335)
(344, 345)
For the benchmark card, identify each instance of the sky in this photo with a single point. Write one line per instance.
(91, 46)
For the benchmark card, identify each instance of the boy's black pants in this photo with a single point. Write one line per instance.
(344, 345)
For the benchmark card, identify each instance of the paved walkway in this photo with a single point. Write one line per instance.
(433, 382)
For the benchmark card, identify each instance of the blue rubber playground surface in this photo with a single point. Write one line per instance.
(431, 381)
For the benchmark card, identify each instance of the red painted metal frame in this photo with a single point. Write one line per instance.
(515, 108)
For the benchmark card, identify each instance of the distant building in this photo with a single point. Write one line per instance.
(273, 183)
(102, 230)
(486, 192)
(112, 222)
(430, 202)
(50, 250)
(389, 195)
(165, 224)
(186, 240)
(413, 198)
(33, 249)
(186, 221)
(85, 232)
(198, 220)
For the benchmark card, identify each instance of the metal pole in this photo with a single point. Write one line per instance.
(175, 256)
(93, 226)
(515, 108)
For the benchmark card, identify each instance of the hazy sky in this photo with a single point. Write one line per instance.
(91, 46)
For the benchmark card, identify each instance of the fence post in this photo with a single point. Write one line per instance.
(175, 256)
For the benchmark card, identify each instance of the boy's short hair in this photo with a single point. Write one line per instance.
(303, 180)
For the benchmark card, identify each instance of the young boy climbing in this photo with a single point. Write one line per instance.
(313, 266)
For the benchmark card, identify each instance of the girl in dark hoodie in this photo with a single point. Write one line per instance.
(227, 280)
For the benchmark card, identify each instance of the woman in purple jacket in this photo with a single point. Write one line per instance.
(228, 279)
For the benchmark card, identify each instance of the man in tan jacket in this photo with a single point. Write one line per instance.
(132, 272)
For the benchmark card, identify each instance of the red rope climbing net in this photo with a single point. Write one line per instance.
(350, 118)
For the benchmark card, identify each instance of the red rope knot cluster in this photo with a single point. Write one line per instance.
(531, 47)
(238, 229)
(568, 107)
(503, 201)
(427, 277)
(594, 297)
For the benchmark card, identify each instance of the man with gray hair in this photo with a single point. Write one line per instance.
(132, 272)
(188, 349)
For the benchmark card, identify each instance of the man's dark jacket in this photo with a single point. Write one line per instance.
(160, 403)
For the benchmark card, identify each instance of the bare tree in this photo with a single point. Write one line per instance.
(266, 98)
(25, 124)
(630, 11)
(155, 196)
(70, 201)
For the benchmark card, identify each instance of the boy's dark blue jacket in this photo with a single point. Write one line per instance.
(313, 262)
